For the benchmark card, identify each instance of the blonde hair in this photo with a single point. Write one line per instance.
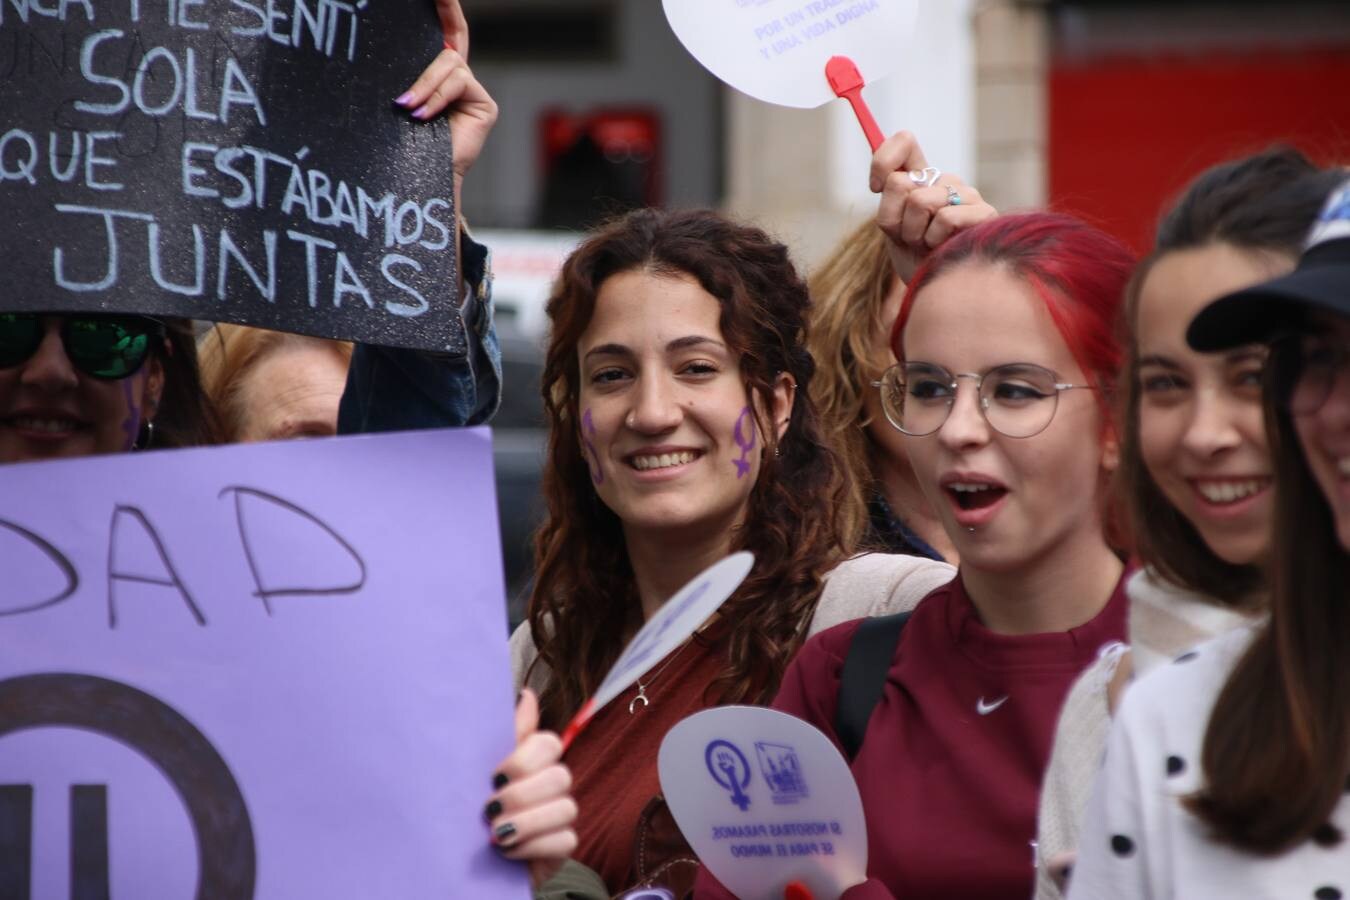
(848, 291)
(226, 353)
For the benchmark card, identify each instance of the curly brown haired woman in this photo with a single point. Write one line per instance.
(681, 430)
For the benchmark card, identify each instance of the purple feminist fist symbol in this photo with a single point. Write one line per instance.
(746, 444)
(131, 425)
(588, 432)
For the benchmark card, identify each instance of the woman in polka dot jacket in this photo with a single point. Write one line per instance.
(1194, 477)
(1226, 771)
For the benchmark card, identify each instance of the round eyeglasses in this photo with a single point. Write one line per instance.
(1303, 370)
(1017, 400)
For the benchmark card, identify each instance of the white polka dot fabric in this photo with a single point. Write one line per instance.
(1140, 843)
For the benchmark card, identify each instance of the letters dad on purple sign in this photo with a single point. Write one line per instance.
(233, 160)
(270, 671)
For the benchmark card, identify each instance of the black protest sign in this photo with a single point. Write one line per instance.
(233, 160)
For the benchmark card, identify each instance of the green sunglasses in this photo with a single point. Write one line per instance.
(105, 347)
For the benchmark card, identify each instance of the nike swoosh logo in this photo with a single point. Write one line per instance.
(985, 709)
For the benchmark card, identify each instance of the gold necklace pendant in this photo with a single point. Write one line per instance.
(641, 695)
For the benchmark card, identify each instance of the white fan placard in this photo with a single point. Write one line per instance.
(677, 619)
(776, 50)
(765, 800)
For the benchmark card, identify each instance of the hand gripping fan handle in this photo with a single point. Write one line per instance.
(846, 81)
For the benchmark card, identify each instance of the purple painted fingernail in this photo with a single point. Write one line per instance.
(405, 99)
(422, 112)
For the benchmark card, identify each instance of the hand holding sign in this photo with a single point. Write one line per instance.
(766, 802)
(448, 83)
(674, 622)
(532, 812)
(799, 53)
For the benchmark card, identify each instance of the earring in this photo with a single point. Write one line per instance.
(149, 431)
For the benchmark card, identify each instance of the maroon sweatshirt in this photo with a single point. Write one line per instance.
(951, 766)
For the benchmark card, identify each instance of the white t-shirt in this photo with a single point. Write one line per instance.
(1139, 841)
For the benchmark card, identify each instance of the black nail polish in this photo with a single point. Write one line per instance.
(499, 781)
(492, 810)
(504, 833)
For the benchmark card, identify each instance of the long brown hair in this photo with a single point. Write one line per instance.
(1263, 203)
(1277, 748)
(584, 604)
(848, 291)
(186, 416)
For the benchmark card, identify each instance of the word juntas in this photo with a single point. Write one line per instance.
(326, 26)
(238, 177)
(47, 575)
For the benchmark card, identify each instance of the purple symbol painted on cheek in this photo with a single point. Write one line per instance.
(588, 432)
(746, 444)
(131, 425)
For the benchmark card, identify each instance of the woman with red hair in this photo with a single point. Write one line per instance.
(1007, 355)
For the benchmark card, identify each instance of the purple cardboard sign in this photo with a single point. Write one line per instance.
(272, 671)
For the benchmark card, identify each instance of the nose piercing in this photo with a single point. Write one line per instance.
(628, 422)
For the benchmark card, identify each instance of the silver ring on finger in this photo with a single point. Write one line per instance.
(953, 198)
(925, 177)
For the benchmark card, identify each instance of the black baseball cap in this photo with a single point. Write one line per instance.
(1320, 282)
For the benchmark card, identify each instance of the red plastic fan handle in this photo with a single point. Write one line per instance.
(847, 82)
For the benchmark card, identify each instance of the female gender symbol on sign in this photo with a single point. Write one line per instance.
(722, 756)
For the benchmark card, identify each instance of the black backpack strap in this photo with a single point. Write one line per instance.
(864, 677)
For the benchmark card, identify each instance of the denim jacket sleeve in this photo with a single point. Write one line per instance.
(391, 389)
